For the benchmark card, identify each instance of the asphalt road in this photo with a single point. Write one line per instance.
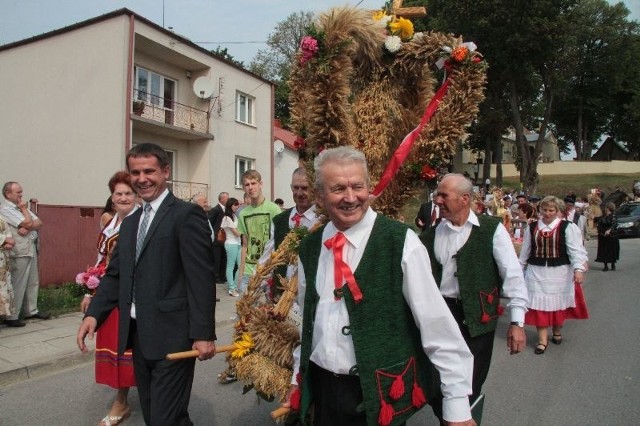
(593, 378)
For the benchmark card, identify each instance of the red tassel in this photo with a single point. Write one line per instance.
(397, 388)
(295, 399)
(485, 318)
(500, 310)
(386, 414)
(417, 397)
(490, 298)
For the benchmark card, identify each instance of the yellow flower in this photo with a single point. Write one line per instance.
(402, 27)
(378, 15)
(243, 346)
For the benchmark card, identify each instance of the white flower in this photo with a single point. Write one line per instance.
(393, 43)
(385, 19)
(418, 36)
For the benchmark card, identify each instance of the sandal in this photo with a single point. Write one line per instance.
(556, 339)
(114, 420)
(540, 349)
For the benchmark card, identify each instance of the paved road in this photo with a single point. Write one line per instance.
(593, 378)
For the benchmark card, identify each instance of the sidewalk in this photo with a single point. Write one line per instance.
(43, 347)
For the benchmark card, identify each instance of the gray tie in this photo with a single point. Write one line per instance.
(142, 229)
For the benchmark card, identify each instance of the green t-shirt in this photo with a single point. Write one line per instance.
(256, 224)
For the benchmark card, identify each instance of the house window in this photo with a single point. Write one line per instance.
(154, 88)
(244, 108)
(242, 165)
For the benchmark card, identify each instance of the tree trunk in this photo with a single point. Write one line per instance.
(499, 155)
(578, 143)
(522, 160)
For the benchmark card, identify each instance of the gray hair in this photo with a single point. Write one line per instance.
(463, 184)
(341, 155)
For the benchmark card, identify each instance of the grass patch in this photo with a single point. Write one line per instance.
(62, 299)
(561, 185)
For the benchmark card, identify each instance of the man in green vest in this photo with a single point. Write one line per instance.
(303, 214)
(373, 319)
(475, 264)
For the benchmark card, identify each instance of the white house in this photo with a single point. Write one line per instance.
(76, 99)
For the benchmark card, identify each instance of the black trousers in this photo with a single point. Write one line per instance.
(337, 398)
(480, 346)
(219, 262)
(164, 387)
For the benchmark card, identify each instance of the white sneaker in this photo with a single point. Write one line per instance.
(233, 293)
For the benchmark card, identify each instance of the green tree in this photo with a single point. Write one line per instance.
(274, 62)
(601, 75)
(224, 54)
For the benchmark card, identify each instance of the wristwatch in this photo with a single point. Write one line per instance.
(517, 323)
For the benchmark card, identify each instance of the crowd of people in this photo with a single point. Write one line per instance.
(420, 310)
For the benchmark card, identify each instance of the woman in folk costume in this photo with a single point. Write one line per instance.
(555, 261)
(6, 289)
(111, 369)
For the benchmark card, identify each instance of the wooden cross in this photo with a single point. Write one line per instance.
(407, 12)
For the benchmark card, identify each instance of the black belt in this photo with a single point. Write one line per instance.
(330, 374)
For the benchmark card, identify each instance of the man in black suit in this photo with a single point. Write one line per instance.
(161, 279)
(216, 215)
(427, 214)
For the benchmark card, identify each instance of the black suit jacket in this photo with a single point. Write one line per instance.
(424, 214)
(174, 281)
(216, 215)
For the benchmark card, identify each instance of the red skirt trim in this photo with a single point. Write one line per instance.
(557, 318)
(111, 369)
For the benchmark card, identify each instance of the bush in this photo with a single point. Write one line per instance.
(61, 299)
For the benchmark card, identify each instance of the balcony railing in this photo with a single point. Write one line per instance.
(170, 112)
(187, 190)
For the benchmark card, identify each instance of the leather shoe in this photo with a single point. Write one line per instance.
(39, 315)
(15, 323)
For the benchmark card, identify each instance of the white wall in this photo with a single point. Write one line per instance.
(62, 113)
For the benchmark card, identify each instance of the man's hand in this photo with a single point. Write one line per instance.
(516, 339)
(23, 232)
(88, 326)
(206, 348)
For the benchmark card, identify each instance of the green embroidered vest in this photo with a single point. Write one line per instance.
(387, 342)
(477, 273)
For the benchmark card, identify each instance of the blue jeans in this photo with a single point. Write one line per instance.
(233, 259)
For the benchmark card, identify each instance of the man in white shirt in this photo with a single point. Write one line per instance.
(373, 319)
(24, 226)
(475, 264)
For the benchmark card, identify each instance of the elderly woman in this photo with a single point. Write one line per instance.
(111, 369)
(608, 243)
(6, 290)
(555, 261)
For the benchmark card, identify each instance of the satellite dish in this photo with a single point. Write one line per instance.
(203, 88)
(278, 146)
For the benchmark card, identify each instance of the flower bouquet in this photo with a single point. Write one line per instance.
(90, 279)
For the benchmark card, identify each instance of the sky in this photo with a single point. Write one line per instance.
(245, 23)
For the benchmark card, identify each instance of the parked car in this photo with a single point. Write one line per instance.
(628, 217)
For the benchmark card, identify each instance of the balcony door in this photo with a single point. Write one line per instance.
(158, 91)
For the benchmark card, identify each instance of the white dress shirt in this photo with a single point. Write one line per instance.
(441, 337)
(449, 239)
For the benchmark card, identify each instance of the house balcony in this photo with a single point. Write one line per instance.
(187, 190)
(167, 117)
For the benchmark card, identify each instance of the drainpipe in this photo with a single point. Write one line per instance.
(272, 155)
(129, 95)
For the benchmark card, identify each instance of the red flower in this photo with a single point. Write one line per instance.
(299, 142)
(428, 172)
